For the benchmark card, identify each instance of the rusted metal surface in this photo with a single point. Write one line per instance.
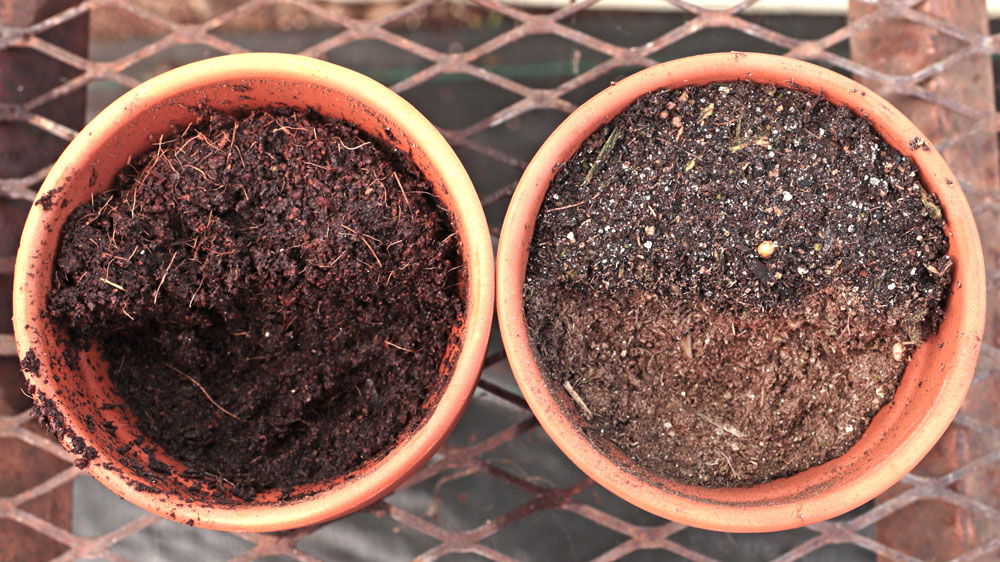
(25, 155)
(903, 48)
(947, 509)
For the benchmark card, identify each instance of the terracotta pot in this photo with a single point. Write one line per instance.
(128, 128)
(932, 388)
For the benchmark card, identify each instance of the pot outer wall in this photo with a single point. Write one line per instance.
(932, 388)
(77, 385)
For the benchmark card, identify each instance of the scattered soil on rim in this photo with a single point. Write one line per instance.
(274, 294)
(727, 281)
(48, 416)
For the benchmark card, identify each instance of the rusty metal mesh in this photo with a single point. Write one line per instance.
(500, 490)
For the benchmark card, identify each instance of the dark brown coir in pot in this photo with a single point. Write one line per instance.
(273, 294)
(728, 280)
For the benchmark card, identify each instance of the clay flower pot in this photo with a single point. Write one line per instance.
(932, 388)
(127, 128)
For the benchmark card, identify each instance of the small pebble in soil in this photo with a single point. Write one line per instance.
(897, 352)
(734, 363)
(765, 249)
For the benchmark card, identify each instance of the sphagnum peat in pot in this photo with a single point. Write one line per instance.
(290, 293)
(712, 277)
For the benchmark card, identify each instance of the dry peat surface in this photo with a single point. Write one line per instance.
(273, 294)
(728, 280)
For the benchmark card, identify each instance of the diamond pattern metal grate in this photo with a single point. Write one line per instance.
(499, 490)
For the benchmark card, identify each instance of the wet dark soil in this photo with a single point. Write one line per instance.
(274, 295)
(728, 281)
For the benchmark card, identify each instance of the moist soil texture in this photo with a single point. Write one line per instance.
(274, 296)
(727, 281)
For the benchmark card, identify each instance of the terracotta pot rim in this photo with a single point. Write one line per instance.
(371, 481)
(785, 503)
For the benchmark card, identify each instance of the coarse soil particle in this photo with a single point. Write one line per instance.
(30, 363)
(274, 295)
(45, 412)
(720, 276)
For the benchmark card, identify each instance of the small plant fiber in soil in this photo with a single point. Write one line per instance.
(273, 294)
(727, 281)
